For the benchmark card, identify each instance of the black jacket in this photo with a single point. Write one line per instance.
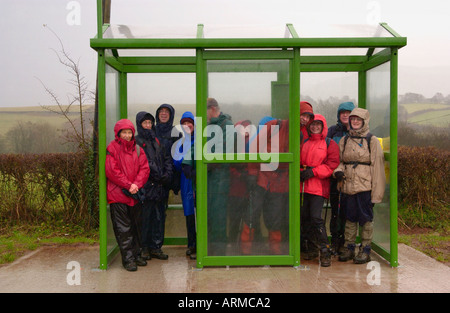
(160, 163)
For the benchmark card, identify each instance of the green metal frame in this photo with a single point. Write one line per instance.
(290, 50)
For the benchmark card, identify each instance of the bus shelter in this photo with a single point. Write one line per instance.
(251, 77)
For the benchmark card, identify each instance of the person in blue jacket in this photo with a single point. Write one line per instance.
(183, 150)
(337, 221)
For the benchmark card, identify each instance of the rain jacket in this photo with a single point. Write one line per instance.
(322, 159)
(123, 166)
(361, 177)
(278, 179)
(186, 184)
(164, 135)
(336, 132)
(159, 162)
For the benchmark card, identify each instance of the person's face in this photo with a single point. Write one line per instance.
(164, 115)
(210, 113)
(356, 122)
(316, 127)
(188, 127)
(304, 119)
(343, 117)
(126, 134)
(147, 124)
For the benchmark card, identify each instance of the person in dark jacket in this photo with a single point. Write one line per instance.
(155, 190)
(167, 135)
(218, 182)
(318, 161)
(183, 149)
(337, 221)
(126, 172)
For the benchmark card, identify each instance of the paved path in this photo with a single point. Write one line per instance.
(46, 270)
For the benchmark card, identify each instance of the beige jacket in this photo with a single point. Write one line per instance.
(362, 177)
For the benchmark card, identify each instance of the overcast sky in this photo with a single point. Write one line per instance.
(26, 45)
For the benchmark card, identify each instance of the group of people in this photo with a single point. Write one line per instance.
(140, 172)
(344, 163)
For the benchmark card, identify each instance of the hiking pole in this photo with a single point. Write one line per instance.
(303, 189)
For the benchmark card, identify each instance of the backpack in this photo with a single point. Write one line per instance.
(368, 138)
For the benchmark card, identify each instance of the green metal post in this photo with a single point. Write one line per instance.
(99, 19)
(123, 101)
(393, 159)
(362, 89)
(103, 236)
(201, 168)
(294, 168)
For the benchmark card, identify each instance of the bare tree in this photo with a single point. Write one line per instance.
(78, 98)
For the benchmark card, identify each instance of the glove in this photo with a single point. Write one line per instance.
(339, 176)
(306, 174)
(135, 196)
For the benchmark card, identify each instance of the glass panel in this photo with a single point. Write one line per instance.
(112, 116)
(248, 214)
(245, 31)
(378, 103)
(325, 91)
(250, 90)
(146, 92)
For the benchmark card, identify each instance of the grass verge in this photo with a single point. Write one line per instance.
(15, 241)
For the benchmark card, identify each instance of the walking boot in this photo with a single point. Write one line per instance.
(140, 261)
(325, 257)
(130, 266)
(310, 251)
(363, 255)
(145, 254)
(348, 253)
(247, 236)
(158, 254)
(275, 242)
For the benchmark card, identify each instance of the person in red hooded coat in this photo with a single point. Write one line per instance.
(319, 157)
(126, 171)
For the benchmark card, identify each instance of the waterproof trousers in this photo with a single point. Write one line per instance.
(191, 231)
(312, 225)
(275, 210)
(358, 210)
(153, 224)
(126, 222)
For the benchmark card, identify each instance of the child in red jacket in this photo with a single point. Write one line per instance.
(126, 172)
(319, 157)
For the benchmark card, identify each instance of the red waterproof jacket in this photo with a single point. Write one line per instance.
(123, 166)
(276, 180)
(322, 159)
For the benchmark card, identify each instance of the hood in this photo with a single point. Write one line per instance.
(145, 133)
(345, 106)
(188, 114)
(319, 117)
(123, 124)
(306, 107)
(172, 114)
(364, 114)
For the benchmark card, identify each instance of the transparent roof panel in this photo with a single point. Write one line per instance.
(342, 30)
(148, 31)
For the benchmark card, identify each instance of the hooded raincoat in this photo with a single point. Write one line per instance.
(363, 169)
(123, 166)
(184, 147)
(322, 159)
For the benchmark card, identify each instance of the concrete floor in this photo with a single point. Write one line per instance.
(46, 270)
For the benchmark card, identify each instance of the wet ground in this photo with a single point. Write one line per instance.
(49, 269)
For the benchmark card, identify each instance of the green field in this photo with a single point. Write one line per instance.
(11, 116)
(428, 114)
